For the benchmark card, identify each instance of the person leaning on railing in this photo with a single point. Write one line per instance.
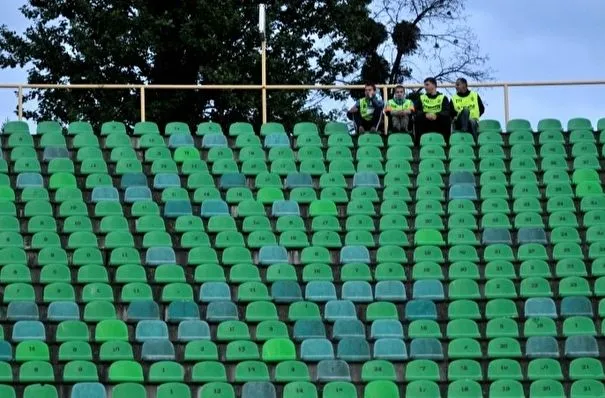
(432, 111)
(367, 111)
(466, 108)
(399, 110)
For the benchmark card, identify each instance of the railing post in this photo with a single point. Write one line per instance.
(385, 99)
(20, 102)
(263, 63)
(142, 104)
(506, 104)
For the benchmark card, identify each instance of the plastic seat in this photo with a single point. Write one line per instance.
(157, 350)
(215, 291)
(366, 179)
(420, 309)
(63, 310)
(576, 306)
(462, 191)
(28, 330)
(160, 255)
(540, 307)
(316, 350)
(25, 180)
(104, 193)
(581, 346)
(353, 349)
(321, 291)
(531, 235)
(391, 349)
(354, 254)
(260, 389)
(541, 347)
(166, 180)
(426, 348)
(87, 390)
(428, 289)
(357, 291)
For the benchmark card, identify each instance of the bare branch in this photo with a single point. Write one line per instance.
(447, 46)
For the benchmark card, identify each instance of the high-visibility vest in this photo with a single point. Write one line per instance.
(432, 105)
(366, 108)
(471, 101)
(395, 107)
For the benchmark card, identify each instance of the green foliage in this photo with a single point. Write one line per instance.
(181, 42)
(188, 42)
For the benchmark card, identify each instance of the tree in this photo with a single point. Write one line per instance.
(181, 42)
(431, 32)
(190, 42)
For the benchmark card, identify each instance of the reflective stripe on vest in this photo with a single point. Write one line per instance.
(471, 102)
(366, 109)
(432, 105)
(406, 105)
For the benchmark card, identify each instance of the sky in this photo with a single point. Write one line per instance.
(537, 40)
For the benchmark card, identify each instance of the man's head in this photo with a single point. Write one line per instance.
(399, 91)
(461, 85)
(370, 90)
(430, 85)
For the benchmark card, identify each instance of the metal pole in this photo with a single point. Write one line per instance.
(20, 102)
(385, 99)
(142, 104)
(264, 77)
(506, 105)
(262, 29)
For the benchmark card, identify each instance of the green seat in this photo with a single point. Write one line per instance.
(32, 350)
(251, 371)
(208, 371)
(308, 140)
(278, 349)
(398, 166)
(201, 350)
(495, 220)
(125, 371)
(288, 371)
(217, 390)
(110, 329)
(500, 269)
(36, 372)
(491, 151)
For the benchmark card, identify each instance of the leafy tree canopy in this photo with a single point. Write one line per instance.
(217, 42)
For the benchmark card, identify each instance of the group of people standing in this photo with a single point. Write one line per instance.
(432, 111)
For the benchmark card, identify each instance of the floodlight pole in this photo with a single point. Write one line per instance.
(263, 50)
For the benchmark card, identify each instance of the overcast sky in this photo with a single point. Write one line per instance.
(535, 40)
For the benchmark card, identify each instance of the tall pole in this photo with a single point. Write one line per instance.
(142, 104)
(20, 102)
(263, 51)
(506, 104)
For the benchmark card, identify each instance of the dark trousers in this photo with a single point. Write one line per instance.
(441, 125)
(400, 123)
(463, 122)
(366, 125)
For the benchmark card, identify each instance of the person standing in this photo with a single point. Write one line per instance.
(466, 108)
(432, 111)
(399, 110)
(367, 111)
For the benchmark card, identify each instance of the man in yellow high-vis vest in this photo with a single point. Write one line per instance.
(432, 111)
(367, 111)
(399, 110)
(466, 108)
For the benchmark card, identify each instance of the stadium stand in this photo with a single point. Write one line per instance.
(175, 264)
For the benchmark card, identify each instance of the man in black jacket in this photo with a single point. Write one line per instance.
(433, 111)
(466, 108)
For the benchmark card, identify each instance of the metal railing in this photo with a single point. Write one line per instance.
(265, 87)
